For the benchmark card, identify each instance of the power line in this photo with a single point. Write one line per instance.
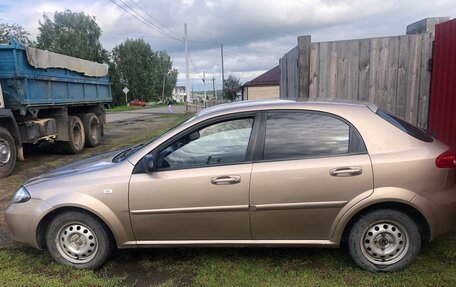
(145, 21)
(154, 25)
(139, 35)
(204, 42)
(155, 20)
(194, 67)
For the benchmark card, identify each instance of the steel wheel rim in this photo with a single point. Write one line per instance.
(5, 152)
(384, 242)
(77, 243)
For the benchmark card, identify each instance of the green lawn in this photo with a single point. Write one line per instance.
(23, 266)
(126, 108)
(131, 108)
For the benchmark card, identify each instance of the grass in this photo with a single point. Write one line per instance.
(125, 108)
(23, 266)
(132, 108)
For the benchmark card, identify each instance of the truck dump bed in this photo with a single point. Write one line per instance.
(49, 82)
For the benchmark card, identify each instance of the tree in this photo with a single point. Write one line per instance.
(8, 31)
(164, 69)
(231, 87)
(73, 34)
(144, 71)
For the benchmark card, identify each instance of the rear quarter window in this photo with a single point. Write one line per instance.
(406, 127)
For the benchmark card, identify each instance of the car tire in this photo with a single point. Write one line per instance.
(76, 136)
(384, 240)
(80, 240)
(92, 129)
(7, 153)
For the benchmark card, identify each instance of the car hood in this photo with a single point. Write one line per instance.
(89, 164)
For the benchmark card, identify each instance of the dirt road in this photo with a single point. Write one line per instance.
(141, 114)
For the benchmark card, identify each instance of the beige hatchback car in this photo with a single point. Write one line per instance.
(268, 173)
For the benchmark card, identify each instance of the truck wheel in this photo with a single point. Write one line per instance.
(92, 129)
(76, 136)
(7, 153)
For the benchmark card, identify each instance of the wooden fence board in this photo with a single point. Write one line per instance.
(391, 76)
(364, 70)
(314, 71)
(323, 82)
(425, 81)
(401, 90)
(341, 70)
(332, 71)
(304, 48)
(413, 79)
(353, 70)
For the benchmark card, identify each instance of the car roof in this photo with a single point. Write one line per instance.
(285, 104)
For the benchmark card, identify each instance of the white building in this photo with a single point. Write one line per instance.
(179, 94)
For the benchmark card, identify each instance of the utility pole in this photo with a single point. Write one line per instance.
(204, 81)
(213, 87)
(223, 72)
(187, 77)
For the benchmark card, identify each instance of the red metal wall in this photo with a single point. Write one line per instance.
(442, 113)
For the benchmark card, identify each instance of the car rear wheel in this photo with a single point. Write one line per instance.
(78, 239)
(384, 240)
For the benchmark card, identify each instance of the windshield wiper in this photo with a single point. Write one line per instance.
(121, 156)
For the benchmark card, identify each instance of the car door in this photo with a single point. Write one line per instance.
(199, 188)
(310, 165)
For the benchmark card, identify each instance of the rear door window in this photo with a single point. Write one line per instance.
(291, 135)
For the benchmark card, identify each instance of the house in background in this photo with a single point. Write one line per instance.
(265, 86)
(179, 94)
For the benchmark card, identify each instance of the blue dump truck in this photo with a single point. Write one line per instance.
(50, 97)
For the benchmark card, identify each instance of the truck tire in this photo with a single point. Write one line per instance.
(92, 129)
(7, 153)
(76, 136)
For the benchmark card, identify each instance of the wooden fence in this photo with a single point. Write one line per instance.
(392, 72)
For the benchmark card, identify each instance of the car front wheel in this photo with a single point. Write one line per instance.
(78, 239)
(384, 241)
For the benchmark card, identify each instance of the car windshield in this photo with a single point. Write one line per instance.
(133, 149)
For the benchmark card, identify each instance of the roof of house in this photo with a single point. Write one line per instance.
(269, 78)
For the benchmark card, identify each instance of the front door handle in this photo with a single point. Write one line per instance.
(224, 180)
(346, 171)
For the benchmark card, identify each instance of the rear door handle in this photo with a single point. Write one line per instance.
(346, 171)
(225, 180)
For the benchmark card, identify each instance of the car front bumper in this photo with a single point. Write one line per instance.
(23, 219)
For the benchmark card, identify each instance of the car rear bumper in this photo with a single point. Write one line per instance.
(439, 207)
(23, 220)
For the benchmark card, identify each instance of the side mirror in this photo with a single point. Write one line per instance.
(148, 162)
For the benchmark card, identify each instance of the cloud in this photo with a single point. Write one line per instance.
(255, 33)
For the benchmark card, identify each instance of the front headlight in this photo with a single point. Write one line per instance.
(21, 195)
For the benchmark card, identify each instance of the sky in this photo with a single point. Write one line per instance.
(254, 34)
